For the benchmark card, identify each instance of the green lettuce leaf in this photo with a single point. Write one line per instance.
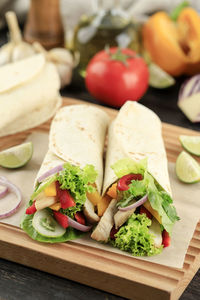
(78, 181)
(162, 202)
(127, 165)
(69, 235)
(159, 199)
(134, 237)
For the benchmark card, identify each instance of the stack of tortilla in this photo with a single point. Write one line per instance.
(29, 94)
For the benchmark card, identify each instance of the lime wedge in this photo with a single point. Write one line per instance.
(187, 168)
(158, 78)
(17, 156)
(191, 143)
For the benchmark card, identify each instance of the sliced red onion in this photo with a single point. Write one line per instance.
(180, 95)
(50, 172)
(78, 226)
(135, 204)
(3, 191)
(7, 208)
(189, 87)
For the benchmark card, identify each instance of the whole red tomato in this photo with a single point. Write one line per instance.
(114, 76)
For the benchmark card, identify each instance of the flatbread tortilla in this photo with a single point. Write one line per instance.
(129, 136)
(18, 73)
(77, 136)
(29, 104)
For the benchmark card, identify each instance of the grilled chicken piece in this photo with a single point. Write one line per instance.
(89, 212)
(102, 231)
(122, 216)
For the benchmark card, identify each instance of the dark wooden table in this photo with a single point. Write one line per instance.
(20, 282)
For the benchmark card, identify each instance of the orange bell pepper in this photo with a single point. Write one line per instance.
(174, 46)
(112, 192)
(103, 204)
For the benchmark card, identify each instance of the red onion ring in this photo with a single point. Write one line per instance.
(78, 226)
(13, 188)
(134, 205)
(185, 91)
(50, 172)
(3, 191)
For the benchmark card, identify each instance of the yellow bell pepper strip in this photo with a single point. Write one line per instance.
(173, 46)
(94, 197)
(56, 206)
(50, 190)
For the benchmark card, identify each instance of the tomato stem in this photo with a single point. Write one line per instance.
(119, 55)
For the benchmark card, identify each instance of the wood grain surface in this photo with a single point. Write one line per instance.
(124, 276)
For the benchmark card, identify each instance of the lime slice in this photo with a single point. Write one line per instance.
(191, 143)
(187, 168)
(17, 156)
(158, 78)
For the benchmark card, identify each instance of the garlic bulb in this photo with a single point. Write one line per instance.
(62, 59)
(64, 63)
(16, 48)
(21, 51)
(5, 53)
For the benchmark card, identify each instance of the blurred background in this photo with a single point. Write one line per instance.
(164, 34)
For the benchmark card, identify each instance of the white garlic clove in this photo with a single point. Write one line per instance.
(22, 50)
(61, 55)
(5, 53)
(65, 74)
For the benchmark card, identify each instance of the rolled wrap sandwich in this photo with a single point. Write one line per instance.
(139, 216)
(59, 209)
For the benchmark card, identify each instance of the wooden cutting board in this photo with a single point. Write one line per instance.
(114, 273)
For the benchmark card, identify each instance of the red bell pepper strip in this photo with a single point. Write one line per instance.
(145, 211)
(80, 218)
(31, 209)
(113, 232)
(123, 183)
(66, 200)
(61, 219)
(166, 240)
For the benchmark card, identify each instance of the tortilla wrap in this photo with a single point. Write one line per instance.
(31, 95)
(129, 136)
(77, 136)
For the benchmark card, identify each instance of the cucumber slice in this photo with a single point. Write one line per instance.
(45, 224)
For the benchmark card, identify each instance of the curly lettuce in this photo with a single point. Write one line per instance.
(159, 199)
(134, 237)
(78, 181)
